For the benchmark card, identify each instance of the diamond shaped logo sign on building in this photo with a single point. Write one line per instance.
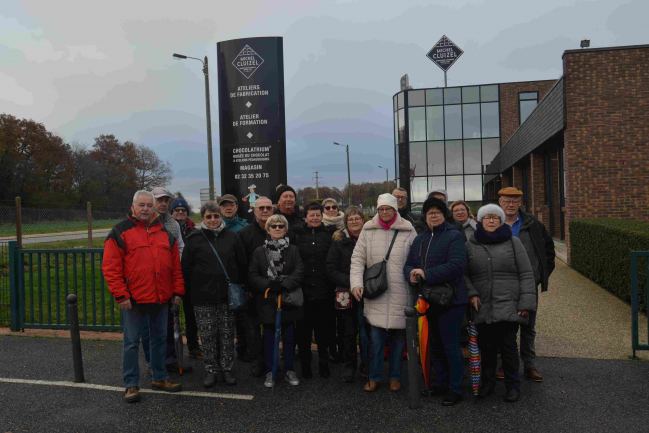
(247, 61)
(444, 53)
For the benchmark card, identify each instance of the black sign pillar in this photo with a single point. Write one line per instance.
(252, 126)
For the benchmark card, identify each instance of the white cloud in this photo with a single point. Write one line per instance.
(12, 92)
(85, 51)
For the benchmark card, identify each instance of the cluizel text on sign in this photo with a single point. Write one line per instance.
(444, 53)
(247, 61)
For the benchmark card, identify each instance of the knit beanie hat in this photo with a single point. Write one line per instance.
(491, 209)
(282, 189)
(434, 202)
(387, 200)
(437, 191)
(179, 202)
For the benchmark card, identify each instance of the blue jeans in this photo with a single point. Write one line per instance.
(170, 352)
(135, 321)
(444, 326)
(377, 348)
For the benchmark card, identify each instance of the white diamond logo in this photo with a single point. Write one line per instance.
(250, 135)
(248, 104)
(247, 61)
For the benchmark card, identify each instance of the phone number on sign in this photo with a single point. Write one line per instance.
(251, 176)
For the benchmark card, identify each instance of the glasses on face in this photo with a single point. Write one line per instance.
(385, 210)
(264, 208)
(209, 217)
(277, 226)
(355, 220)
(510, 202)
(459, 210)
(334, 207)
(401, 197)
(491, 218)
(180, 210)
(434, 214)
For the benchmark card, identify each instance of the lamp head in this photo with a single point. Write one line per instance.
(179, 56)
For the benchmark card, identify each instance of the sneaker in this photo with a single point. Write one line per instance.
(500, 374)
(349, 374)
(167, 385)
(291, 378)
(269, 382)
(132, 394)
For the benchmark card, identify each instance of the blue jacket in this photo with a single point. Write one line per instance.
(444, 253)
(235, 224)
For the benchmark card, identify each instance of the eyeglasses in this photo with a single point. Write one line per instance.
(263, 208)
(385, 210)
(434, 214)
(209, 217)
(334, 207)
(180, 210)
(355, 220)
(401, 197)
(459, 210)
(490, 218)
(509, 202)
(277, 226)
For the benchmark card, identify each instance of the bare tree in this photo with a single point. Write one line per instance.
(150, 170)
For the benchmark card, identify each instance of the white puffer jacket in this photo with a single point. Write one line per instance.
(386, 311)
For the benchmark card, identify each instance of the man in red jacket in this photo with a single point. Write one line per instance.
(142, 267)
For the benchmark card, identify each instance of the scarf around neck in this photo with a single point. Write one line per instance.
(337, 221)
(217, 230)
(386, 226)
(274, 251)
(502, 234)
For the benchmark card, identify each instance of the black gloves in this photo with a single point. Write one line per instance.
(276, 287)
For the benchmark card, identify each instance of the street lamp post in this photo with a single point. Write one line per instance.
(210, 163)
(387, 179)
(349, 177)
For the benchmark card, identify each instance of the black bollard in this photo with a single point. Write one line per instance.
(412, 315)
(73, 314)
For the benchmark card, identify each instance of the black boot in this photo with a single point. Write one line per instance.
(349, 375)
(306, 370)
(451, 399)
(324, 370)
(229, 378)
(210, 380)
(512, 396)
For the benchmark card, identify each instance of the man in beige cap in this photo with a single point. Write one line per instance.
(540, 250)
(229, 207)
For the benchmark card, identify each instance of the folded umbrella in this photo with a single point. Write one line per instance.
(424, 356)
(278, 328)
(475, 361)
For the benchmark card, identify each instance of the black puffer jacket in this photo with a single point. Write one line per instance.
(314, 244)
(252, 237)
(294, 219)
(204, 276)
(293, 274)
(339, 259)
(410, 216)
(540, 248)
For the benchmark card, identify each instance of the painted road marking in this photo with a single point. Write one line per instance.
(120, 389)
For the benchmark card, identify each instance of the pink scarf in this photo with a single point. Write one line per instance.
(387, 226)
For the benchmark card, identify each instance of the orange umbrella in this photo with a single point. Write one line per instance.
(421, 307)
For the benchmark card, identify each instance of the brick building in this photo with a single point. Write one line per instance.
(577, 146)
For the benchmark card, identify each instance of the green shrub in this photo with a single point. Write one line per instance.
(600, 249)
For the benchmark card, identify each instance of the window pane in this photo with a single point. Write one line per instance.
(417, 159)
(418, 189)
(417, 124)
(526, 109)
(453, 95)
(435, 122)
(488, 93)
(396, 161)
(490, 149)
(454, 157)
(470, 94)
(436, 182)
(416, 97)
(471, 120)
(396, 128)
(490, 120)
(402, 126)
(455, 188)
(528, 95)
(394, 103)
(400, 100)
(473, 187)
(435, 97)
(472, 154)
(436, 165)
(453, 121)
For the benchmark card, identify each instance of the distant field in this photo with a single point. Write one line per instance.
(56, 227)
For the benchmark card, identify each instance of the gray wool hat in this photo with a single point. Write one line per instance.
(489, 210)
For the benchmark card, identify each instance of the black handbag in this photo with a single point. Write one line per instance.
(439, 294)
(375, 278)
(236, 294)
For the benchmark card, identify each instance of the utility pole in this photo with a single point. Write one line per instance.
(317, 186)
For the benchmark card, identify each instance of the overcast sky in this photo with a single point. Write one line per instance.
(85, 68)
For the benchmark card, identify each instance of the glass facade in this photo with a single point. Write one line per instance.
(452, 135)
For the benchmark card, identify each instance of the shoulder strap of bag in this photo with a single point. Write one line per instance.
(217, 256)
(394, 238)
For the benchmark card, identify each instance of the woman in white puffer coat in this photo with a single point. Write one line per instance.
(385, 314)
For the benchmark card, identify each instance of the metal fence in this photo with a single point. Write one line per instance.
(635, 301)
(5, 295)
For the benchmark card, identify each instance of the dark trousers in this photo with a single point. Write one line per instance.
(317, 321)
(241, 317)
(492, 338)
(253, 334)
(191, 329)
(337, 339)
(444, 339)
(288, 345)
(349, 320)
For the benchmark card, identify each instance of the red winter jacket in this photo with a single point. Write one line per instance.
(142, 263)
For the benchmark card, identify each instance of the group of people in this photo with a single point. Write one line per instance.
(315, 258)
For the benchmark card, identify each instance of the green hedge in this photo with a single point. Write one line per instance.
(600, 249)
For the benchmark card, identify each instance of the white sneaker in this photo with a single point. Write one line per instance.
(291, 378)
(269, 382)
